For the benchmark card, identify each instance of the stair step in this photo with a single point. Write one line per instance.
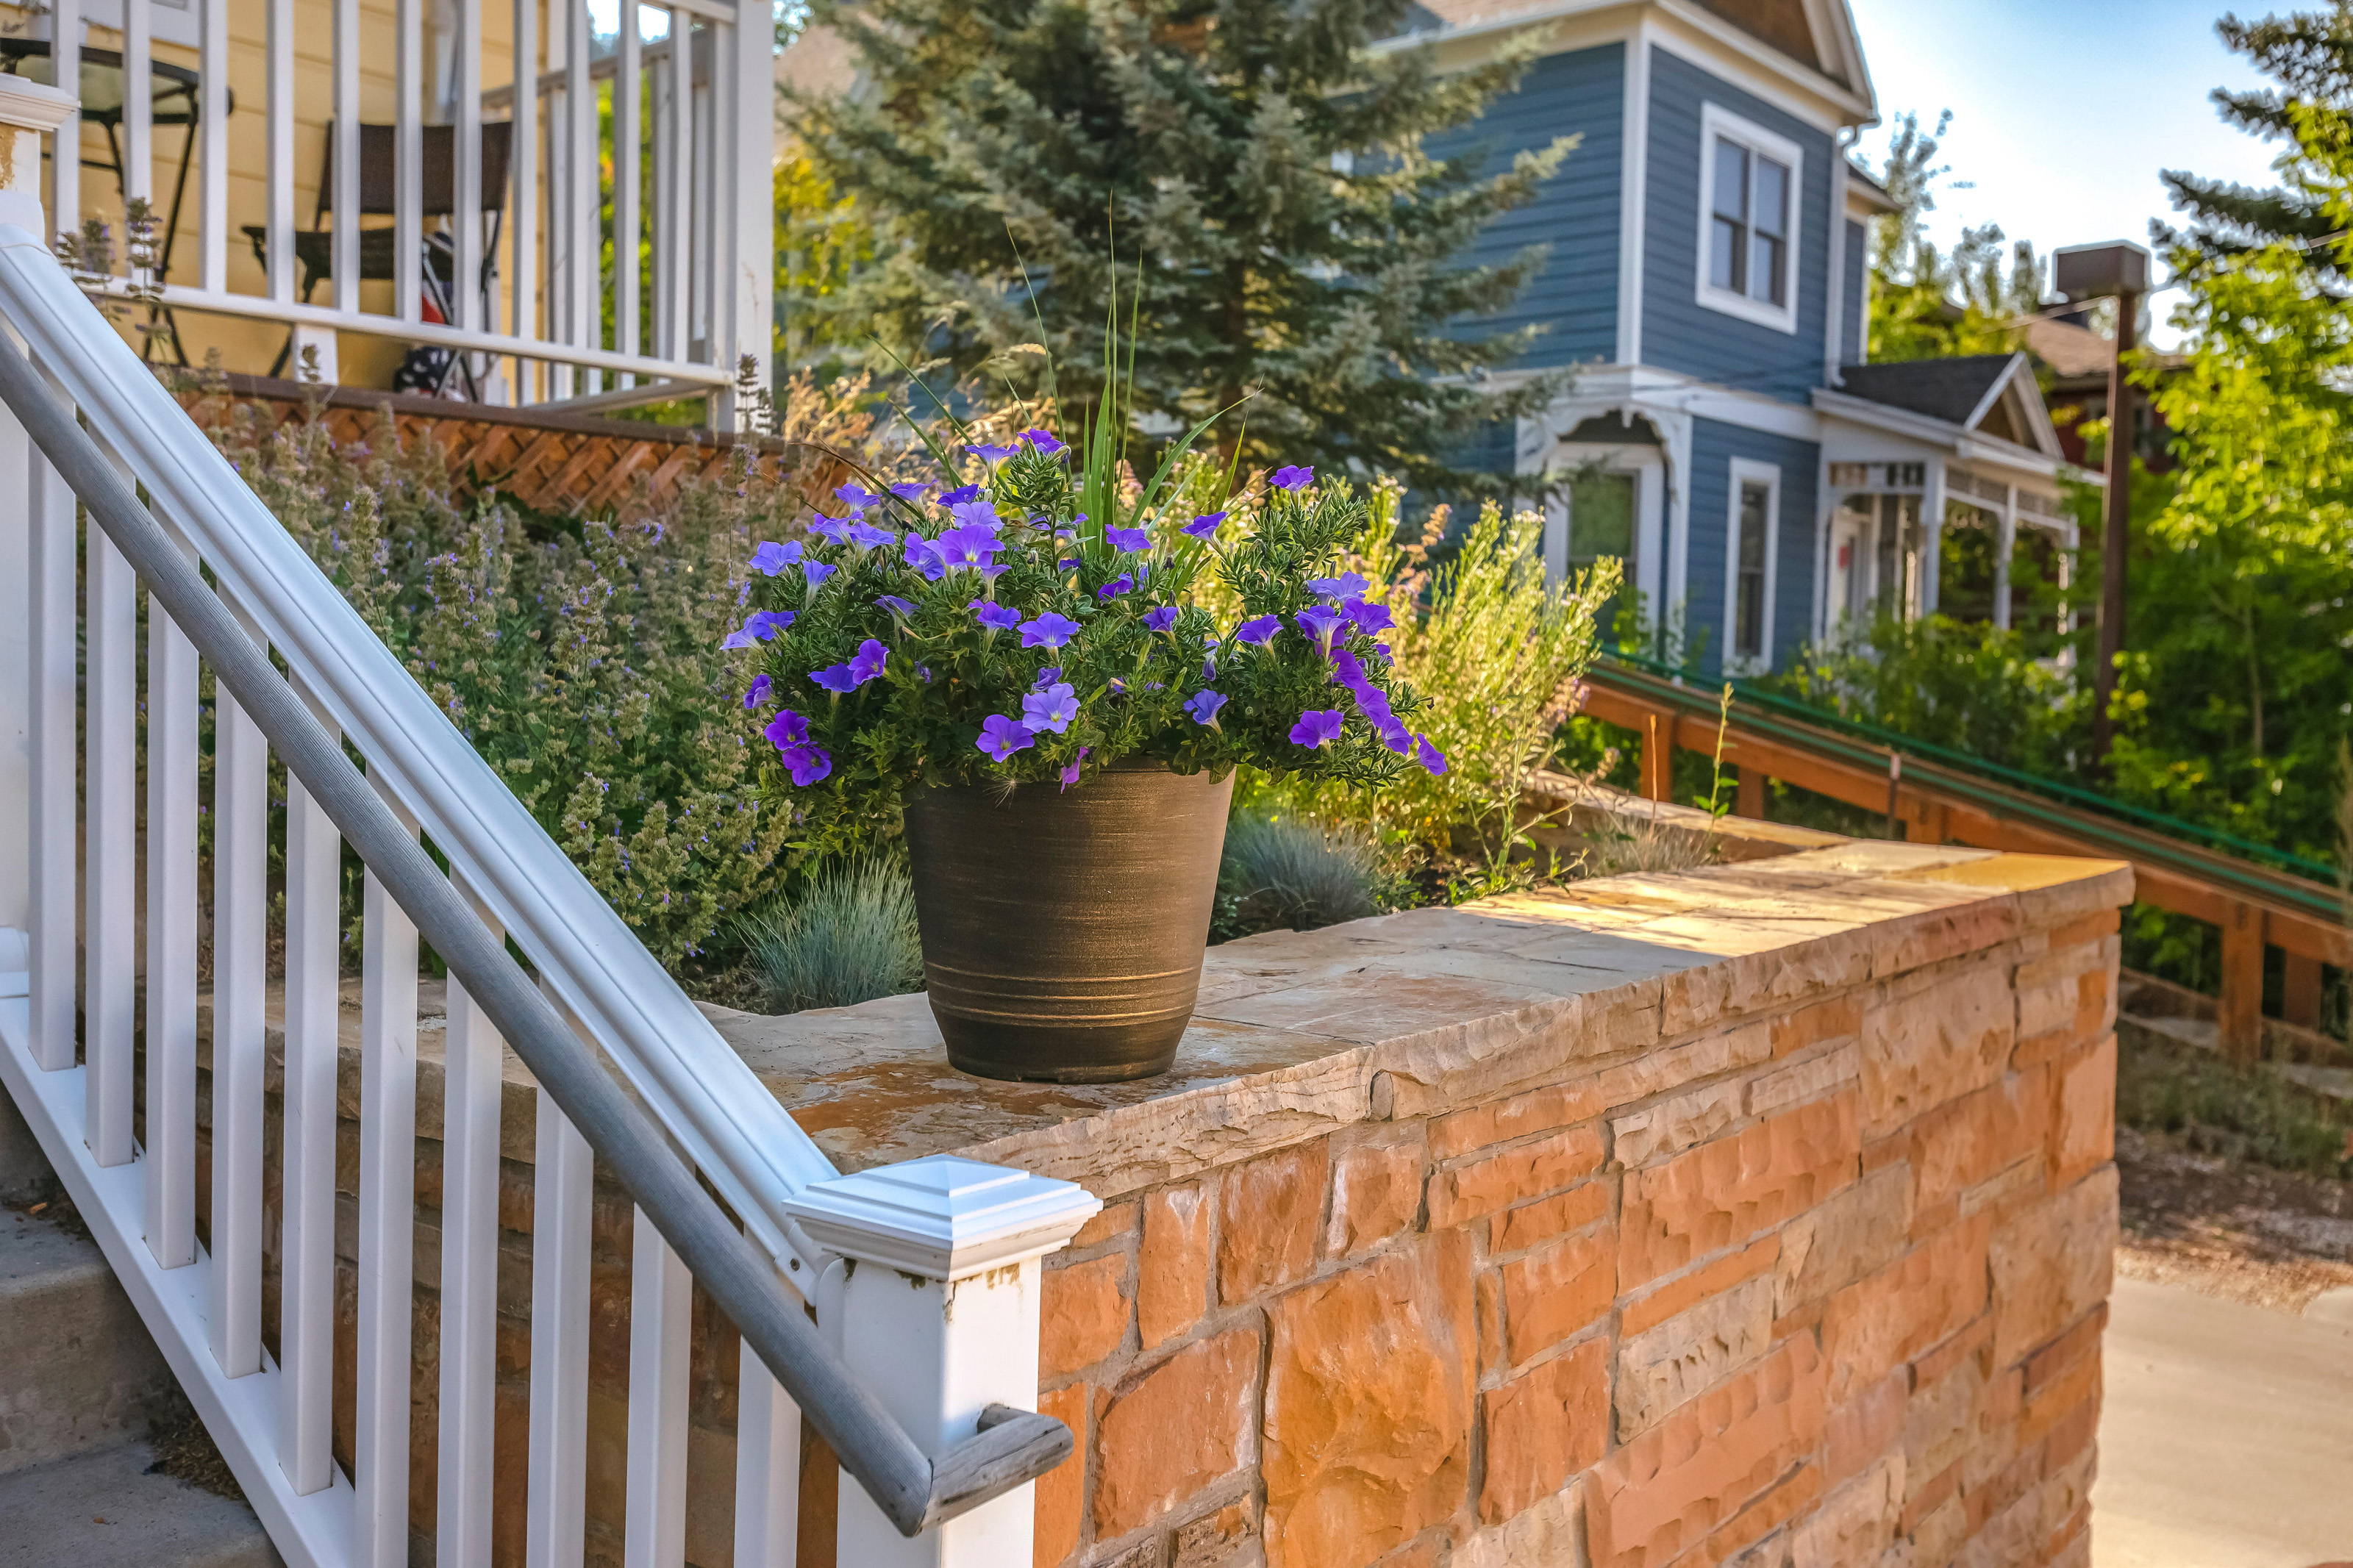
(104, 1510)
(25, 1173)
(80, 1372)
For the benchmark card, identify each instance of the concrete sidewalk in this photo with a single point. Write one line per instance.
(2226, 1440)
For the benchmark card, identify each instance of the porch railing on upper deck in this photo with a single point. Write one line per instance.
(627, 257)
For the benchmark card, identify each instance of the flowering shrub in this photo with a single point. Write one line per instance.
(1034, 624)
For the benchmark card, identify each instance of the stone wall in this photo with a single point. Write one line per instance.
(1757, 1214)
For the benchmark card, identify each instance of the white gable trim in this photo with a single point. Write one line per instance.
(2029, 410)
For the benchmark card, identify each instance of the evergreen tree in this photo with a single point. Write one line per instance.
(2309, 54)
(1251, 179)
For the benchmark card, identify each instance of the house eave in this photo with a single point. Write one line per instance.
(1970, 446)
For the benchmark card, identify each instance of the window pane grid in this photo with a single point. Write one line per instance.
(1748, 594)
(1748, 229)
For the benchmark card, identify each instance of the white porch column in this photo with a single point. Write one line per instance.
(934, 1307)
(27, 110)
(2005, 544)
(744, 307)
(1932, 536)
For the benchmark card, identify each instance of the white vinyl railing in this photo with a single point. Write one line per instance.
(944, 1455)
(537, 311)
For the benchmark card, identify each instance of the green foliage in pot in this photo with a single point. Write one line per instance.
(1033, 622)
(849, 937)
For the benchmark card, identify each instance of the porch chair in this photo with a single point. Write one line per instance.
(314, 248)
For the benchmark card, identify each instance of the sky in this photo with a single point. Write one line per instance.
(2063, 111)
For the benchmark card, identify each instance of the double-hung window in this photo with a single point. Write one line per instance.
(1752, 532)
(1748, 220)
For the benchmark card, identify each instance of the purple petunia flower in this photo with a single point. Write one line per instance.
(808, 764)
(1203, 706)
(971, 545)
(1316, 727)
(923, 556)
(1291, 478)
(1348, 585)
(1398, 738)
(980, 513)
(1161, 619)
(1053, 708)
(988, 452)
(816, 572)
(1369, 619)
(1346, 669)
(857, 497)
(834, 678)
(1128, 541)
(786, 729)
(1122, 583)
(1071, 773)
(1319, 622)
(1045, 446)
(1066, 564)
(871, 659)
(1001, 737)
(895, 605)
(771, 557)
(834, 528)
(909, 489)
(864, 535)
(1203, 526)
(760, 684)
(960, 493)
(758, 627)
(1049, 630)
(994, 615)
(1259, 631)
(1048, 676)
(1428, 755)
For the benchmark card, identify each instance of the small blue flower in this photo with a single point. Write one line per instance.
(910, 490)
(808, 764)
(1071, 773)
(1122, 583)
(760, 684)
(960, 493)
(1161, 619)
(834, 528)
(1369, 619)
(1428, 755)
(896, 605)
(1049, 630)
(988, 452)
(994, 615)
(835, 677)
(1203, 706)
(1053, 708)
(1318, 727)
(1205, 525)
(816, 572)
(1001, 737)
(971, 545)
(857, 497)
(1044, 444)
(759, 627)
(786, 729)
(1259, 631)
(1048, 676)
(1319, 622)
(1348, 585)
(981, 513)
(925, 557)
(1291, 478)
(1128, 541)
(864, 535)
(871, 659)
(771, 557)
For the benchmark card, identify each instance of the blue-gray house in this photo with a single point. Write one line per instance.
(1706, 283)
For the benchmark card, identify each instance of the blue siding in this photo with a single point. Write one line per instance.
(1856, 300)
(1713, 446)
(1575, 296)
(1678, 332)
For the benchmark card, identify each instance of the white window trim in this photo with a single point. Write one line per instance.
(1715, 121)
(1747, 470)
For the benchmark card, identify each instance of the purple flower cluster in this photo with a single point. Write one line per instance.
(788, 731)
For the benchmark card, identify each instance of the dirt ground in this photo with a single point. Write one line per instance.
(2243, 1231)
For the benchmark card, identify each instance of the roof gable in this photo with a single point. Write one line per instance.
(1991, 395)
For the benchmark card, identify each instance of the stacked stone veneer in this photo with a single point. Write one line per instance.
(1797, 1256)
(1757, 1214)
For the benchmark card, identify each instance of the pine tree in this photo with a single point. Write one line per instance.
(1248, 178)
(2310, 55)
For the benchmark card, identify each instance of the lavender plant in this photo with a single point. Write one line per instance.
(1034, 623)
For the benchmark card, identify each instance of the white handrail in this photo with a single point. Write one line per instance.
(727, 1123)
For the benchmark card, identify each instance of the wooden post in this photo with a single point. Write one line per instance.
(1658, 756)
(2242, 982)
(2300, 995)
(1752, 792)
(1926, 823)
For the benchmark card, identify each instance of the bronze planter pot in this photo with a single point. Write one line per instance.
(1063, 932)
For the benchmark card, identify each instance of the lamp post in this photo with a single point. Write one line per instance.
(2118, 272)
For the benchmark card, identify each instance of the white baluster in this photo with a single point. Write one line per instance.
(582, 208)
(306, 1334)
(137, 108)
(387, 1204)
(562, 1198)
(56, 805)
(660, 1310)
(473, 1084)
(65, 173)
(111, 941)
(939, 1354)
(343, 248)
(629, 136)
(212, 143)
(466, 222)
(767, 1468)
(240, 1022)
(675, 192)
(523, 207)
(171, 1172)
(280, 246)
(746, 61)
(409, 162)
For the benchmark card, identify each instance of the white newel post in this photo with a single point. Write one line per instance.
(27, 109)
(934, 1304)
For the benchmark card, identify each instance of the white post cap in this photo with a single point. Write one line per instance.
(943, 1217)
(30, 106)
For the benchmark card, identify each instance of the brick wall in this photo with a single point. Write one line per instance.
(1817, 1271)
